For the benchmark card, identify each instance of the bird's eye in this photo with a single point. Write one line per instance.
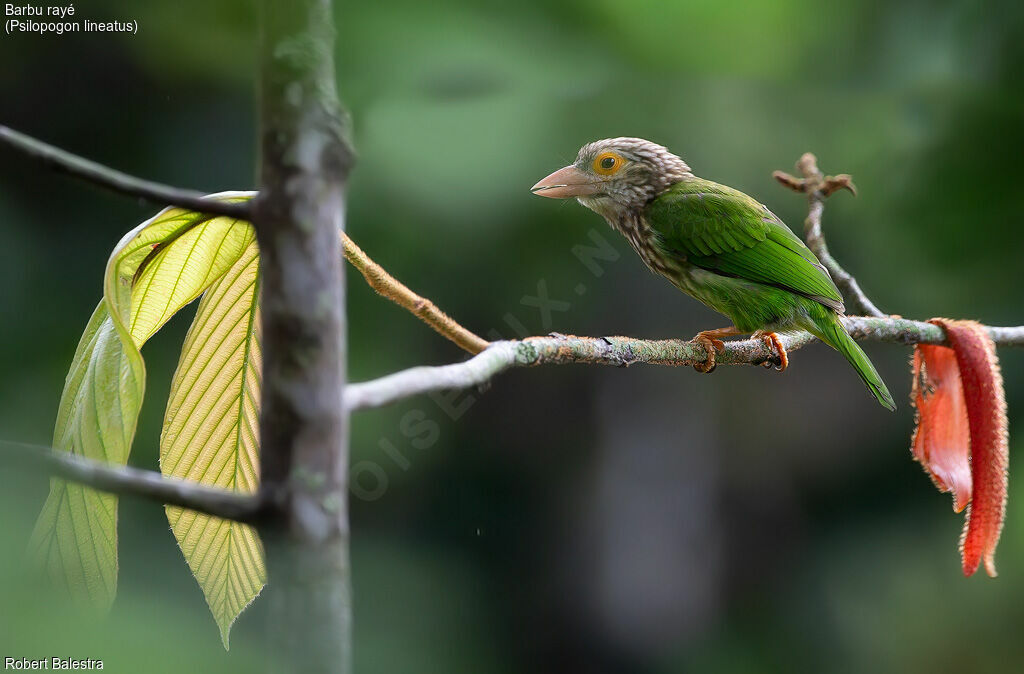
(607, 163)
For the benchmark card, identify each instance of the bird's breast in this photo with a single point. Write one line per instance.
(642, 238)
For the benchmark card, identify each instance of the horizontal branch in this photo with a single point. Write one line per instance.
(106, 177)
(128, 481)
(625, 351)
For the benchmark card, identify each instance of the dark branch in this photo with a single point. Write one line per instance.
(125, 480)
(624, 351)
(818, 187)
(98, 174)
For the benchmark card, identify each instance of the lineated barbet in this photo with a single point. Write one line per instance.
(714, 243)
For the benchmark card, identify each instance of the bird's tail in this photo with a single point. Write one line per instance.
(829, 329)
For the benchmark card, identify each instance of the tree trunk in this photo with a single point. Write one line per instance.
(305, 160)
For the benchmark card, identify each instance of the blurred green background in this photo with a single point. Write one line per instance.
(574, 519)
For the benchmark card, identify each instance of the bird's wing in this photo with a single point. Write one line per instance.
(725, 231)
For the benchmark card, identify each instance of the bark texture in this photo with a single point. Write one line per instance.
(305, 160)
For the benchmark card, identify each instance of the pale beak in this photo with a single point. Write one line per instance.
(565, 183)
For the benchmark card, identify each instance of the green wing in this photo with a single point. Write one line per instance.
(720, 229)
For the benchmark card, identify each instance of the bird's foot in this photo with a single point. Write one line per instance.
(711, 347)
(772, 341)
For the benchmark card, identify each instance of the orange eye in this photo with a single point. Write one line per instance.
(607, 163)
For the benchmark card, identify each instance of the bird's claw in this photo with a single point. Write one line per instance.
(711, 346)
(772, 341)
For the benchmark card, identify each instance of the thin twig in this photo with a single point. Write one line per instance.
(818, 187)
(123, 183)
(391, 288)
(129, 481)
(624, 351)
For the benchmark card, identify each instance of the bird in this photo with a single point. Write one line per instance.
(714, 243)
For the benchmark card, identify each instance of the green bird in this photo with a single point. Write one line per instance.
(714, 243)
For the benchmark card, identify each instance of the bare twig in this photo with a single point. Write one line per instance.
(129, 481)
(818, 187)
(123, 183)
(624, 351)
(388, 286)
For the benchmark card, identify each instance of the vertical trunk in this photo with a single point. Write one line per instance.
(304, 436)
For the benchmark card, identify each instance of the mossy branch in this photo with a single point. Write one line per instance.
(624, 351)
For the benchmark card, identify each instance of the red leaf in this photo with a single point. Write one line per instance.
(942, 439)
(985, 404)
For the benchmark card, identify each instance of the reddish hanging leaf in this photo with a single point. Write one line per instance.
(985, 404)
(941, 438)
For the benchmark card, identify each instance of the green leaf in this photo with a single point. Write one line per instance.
(211, 436)
(156, 269)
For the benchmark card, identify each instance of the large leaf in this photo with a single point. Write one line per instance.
(156, 269)
(210, 435)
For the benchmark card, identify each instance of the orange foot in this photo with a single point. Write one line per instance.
(709, 339)
(772, 341)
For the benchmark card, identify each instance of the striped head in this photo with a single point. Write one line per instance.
(615, 175)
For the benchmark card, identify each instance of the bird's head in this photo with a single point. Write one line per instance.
(615, 174)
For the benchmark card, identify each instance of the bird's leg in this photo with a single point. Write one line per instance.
(771, 340)
(710, 340)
